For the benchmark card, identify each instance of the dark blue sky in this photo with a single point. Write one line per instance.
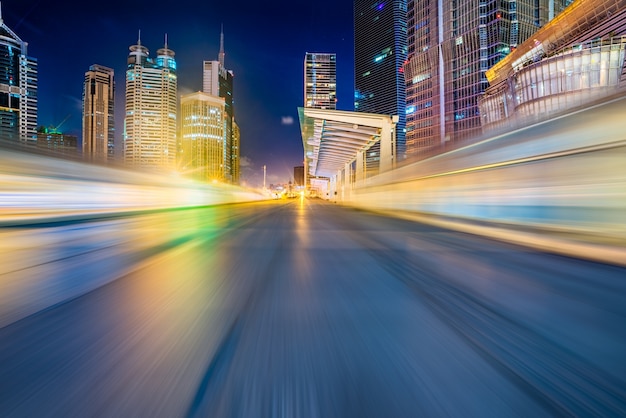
(265, 43)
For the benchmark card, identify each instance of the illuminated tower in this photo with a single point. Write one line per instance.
(380, 49)
(18, 89)
(98, 114)
(320, 80)
(202, 136)
(151, 109)
(235, 162)
(218, 81)
(451, 46)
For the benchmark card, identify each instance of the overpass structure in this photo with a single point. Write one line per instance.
(336, 143)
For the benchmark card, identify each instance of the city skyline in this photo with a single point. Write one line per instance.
(267, 65)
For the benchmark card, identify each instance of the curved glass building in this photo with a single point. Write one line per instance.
(452, 44)
(576, 59)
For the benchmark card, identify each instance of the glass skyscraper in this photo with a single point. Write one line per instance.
(320, 80)
(150, 130)
(99, 114)
(451, 46)
(18, 89)
(380, 49)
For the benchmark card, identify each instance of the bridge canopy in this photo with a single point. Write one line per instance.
(333, 138)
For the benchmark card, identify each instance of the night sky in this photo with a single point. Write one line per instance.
(265, 44)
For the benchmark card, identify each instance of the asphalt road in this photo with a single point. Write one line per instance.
(301, 309)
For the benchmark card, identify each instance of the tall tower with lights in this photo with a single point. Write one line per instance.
(218, 81)
(18, 89)
(202, 136)
(380, 48)
(99, 114)
(320, 80)
(150, 123)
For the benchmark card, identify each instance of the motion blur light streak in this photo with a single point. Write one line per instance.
(563, 178)
(35, 187)
(301, 308)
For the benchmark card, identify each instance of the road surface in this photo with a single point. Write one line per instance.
(301, 308)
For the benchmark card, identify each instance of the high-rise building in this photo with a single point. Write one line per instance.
(235, 163)
(99, 114)
(203, 124)
(218, 81)
(320, 80)
(450, 47)
(150, 123)
(18, 89)
(380, 51)
(298, 175)
(210, 77)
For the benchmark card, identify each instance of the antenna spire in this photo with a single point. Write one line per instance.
(139, 38)
(221, 55)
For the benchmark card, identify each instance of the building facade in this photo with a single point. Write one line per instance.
(99, 114)
(380, 50)
(203, 136)
(574, 60)
(298, 175)
(320, 80)
(18, 89)
(210, 77)
(150, 122)
(218, 81)
(56, 143)
(235, 154)
(451, 45)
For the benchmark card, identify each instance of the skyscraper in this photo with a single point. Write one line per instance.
(202, 136)
(320, 80)
(151, 109)
(218, 81)
(298, 175)
(451, 46)
(380, 50)
(99, 114)
(18, 88)
(210, 77)
(235, 153)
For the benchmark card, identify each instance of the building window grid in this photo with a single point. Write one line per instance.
(502, 24)
(569, 78)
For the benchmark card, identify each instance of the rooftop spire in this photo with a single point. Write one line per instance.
(138, 50)
(221, 54)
